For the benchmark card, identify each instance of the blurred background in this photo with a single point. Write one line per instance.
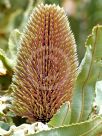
(82, 14)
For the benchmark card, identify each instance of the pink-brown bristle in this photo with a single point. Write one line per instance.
(47, 64)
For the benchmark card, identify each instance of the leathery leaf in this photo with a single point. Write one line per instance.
(89, 72)
(62, 117)
(88, 128)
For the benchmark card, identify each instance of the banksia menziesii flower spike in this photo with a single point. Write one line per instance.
(46, 65)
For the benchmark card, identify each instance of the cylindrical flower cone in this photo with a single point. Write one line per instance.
(46, 69)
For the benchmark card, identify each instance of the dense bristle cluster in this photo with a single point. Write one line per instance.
(46, 65)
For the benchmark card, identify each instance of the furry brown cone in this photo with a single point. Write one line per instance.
(46, 65)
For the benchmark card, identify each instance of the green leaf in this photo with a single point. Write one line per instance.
(27, 13)
(6, 70)
(100, 75)
(3, 70)
(89, 128)
(14, 43)
(7, 23)
(6, 61)
(89, 70)
(95, 40)
(4, 125)
(98, 99)
(62, 117)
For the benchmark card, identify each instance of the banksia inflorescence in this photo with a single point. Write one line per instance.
(46, 65)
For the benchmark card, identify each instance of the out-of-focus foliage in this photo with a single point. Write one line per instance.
(83, 15)
(13, 14)
(52, 1)
(86, 110)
